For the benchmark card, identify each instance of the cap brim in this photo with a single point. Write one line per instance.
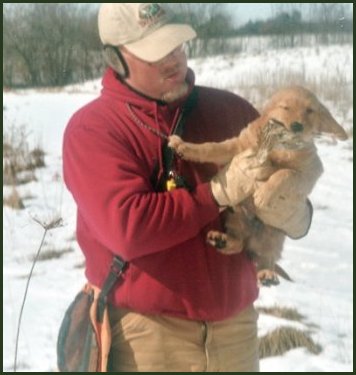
(161, 42)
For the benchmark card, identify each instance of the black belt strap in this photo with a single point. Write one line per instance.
(117, 268)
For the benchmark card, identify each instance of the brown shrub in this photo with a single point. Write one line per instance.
(49, 254)
(14, 200)
(19, 161)
(282, 312)
(284, 339)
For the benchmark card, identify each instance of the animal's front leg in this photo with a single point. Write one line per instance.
(208, 152)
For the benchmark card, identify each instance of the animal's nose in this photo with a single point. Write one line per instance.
(297, 127)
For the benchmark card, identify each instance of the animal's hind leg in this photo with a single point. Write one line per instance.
(225, 243)
(267, 277)
(266, 274)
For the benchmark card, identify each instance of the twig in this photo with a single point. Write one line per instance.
(53, 224)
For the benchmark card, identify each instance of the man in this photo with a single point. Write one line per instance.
(182, 305)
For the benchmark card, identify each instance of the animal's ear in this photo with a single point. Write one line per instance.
(330, 126)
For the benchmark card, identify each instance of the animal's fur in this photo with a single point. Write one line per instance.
(284, 135)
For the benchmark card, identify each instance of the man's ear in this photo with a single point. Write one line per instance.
(113, 57)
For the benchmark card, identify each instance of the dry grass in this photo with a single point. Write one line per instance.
(284, 339)
(19, 164)
(80, 265)
(282, 312)
(14, 200)
(19, 161)
(53, 253)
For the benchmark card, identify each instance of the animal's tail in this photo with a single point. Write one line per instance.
(282, 273)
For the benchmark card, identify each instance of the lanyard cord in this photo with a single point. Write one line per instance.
(178, 129)
(167, 152)
(141, 124)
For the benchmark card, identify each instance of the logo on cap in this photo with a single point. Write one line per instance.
(150, 14)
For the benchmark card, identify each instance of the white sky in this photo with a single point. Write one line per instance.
(243, 12)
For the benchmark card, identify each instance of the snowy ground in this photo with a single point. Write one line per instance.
(320, 264)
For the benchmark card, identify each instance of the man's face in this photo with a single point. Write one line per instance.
(163, 80)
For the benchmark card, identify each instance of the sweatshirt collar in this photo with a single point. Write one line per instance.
(114, 87)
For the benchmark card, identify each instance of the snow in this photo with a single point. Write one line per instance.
(320, 263)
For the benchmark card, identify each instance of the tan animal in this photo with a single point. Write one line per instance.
(283, 135)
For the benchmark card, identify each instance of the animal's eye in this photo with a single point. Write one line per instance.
(309, 111)
(285, 107)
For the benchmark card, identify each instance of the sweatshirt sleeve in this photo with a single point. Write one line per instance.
(112, 190)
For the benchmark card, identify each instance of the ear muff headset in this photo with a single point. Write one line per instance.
(116, 61)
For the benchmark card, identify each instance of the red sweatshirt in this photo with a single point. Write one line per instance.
(108, 161)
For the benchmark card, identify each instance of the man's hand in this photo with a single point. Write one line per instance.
(290, 214)
(238, 179)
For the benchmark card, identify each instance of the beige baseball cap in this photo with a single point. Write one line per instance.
(145, 29)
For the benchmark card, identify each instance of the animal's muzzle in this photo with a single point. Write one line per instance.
(297, 127)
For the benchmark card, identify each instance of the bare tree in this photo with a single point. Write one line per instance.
(286, 23)
(329, 18)
(212, 22)
(53, 42)
(19, 39)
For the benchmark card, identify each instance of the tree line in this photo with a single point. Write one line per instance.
(49, 44)
(56, 44)
(324, 18)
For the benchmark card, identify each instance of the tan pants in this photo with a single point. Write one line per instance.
(165, 344)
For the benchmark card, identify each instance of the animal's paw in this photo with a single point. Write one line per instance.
(217, 239)
(267, 278)
(174, 141)
(185, 150)
(224, 243)
(177, 144)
